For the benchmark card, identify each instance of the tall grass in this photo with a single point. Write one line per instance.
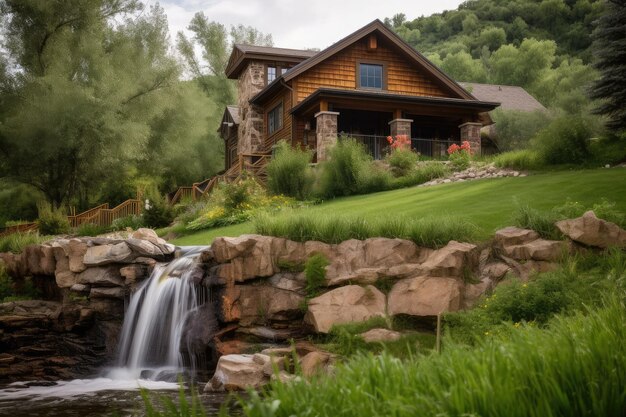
(16, 242)
(576, 367)
(288, 173)
(303, 226)
(526, 160)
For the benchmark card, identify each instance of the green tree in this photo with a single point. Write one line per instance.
(72, 110)
(462, 67)
(216, 45)
(610, 41)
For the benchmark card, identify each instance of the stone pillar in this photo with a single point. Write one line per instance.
(251, 126)
(401, 127)
(326, 133)
(471, 132)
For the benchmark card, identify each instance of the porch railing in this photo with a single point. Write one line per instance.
(377, 145)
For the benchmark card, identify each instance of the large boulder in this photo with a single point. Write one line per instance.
(103, 276)
(76, 250)
(592, 231)
(39, 259)
(108, 254)
(510, 236)
(244, 257)
(537, 250)
(425, 296)
(259, 304)
(453, 260)
(348, 304)
(237, 372)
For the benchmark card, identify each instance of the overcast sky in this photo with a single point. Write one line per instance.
(299, 24)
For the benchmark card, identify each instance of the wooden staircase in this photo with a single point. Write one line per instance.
(198, 190)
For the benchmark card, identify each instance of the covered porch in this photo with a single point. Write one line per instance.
(433, 124)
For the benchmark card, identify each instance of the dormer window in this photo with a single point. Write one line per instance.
(371, 76)
(271, 74)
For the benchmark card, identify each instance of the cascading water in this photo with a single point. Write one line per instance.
(154, 322)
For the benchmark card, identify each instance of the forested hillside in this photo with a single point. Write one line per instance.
(543, 46)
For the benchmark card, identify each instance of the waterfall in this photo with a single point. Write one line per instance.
(154, 322)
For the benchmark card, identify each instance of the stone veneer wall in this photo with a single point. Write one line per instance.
(326, 133)
(471, 132)
(251, 126)
(400, 127)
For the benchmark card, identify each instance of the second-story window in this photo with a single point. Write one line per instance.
(271, 74)
(275, 119)
(371, 76)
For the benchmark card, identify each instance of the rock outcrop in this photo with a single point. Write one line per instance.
(84, 282)
(348, 304)
(592, 231)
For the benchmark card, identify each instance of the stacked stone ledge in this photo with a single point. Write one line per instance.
(74, 330)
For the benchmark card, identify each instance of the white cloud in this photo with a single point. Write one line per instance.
(298, 24)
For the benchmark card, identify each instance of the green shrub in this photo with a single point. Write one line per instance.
(90, 229)
(610, 149)
(564, 141)
(158, 213)
(515, 129)
(423, 173)
(16, 242)
(52, 221)
(315, 272)
(340, 175)
(526, 160)
(133, 222)
(288, 173)
(18, 202)
(374, 178)
(460, 160)
(402, 161)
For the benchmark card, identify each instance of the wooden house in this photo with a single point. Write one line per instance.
(369, 85)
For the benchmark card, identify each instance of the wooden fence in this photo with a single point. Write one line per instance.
(101, 215)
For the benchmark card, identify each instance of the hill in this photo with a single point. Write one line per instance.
(489, 204)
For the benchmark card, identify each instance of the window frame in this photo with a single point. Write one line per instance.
(281, 118)
(381, 64)
(267, 73)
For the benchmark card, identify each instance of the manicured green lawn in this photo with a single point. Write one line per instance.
(487, 203)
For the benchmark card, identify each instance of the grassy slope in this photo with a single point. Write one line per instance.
(487, 203)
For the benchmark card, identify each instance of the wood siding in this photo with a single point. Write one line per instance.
(285, 132)
(340, 71)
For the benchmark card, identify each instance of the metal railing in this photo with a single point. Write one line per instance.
(432, 147)
(378, 147)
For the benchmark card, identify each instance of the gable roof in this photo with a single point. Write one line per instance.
(510, 97)
(374, 26)
(408, 50)
(233, 110)
(243, 52)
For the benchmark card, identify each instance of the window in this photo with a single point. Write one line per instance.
(371, 76)
(271, 74)
(275, 119)
(283, 70)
